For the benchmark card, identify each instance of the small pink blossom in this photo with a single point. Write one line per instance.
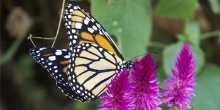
(144, 86)
(117, 98)
(179, 87)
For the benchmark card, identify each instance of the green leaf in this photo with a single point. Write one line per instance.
(215, 6)
(178, 9)
(199, 56)
(192, 32)
(129, 21)
(207, 89)
(169, 56)
(170, 53)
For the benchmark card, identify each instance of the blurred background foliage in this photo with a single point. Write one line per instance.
(138, 26)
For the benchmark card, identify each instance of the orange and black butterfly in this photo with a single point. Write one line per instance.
(83, 70)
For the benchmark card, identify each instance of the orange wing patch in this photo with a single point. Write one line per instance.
(104, 43)
(87, 36)
(99, 39)
(65, 62)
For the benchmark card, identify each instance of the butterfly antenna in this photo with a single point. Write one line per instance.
(58, 27)
(30, 38)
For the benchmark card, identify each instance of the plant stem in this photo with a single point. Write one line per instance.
(210, 35)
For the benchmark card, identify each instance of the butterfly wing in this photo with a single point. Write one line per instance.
(92, 61)
(82, 74)
(83, 28)
(55, 61)
(91, 70)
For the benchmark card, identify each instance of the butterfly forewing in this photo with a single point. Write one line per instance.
(83, 28)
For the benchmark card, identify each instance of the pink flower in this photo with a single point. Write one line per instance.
(144, 86)
(179, 88)
(117, 98)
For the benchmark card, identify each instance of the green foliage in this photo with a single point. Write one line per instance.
(179, 9)
(169, 56)
(170, 53)
(192, 33)
(199, 56)
(215, 6)
(129, 21)
(207, 90)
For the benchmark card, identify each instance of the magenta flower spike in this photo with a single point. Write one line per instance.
(144, 86)
(116, 97)
(179, 87)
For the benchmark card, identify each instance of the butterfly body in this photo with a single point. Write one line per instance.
(84, 70)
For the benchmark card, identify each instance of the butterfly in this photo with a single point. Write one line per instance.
(83, 70)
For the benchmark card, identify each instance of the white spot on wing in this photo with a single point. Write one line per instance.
(74, 41)
(42, 48)
(66, 56)
(52, 58)
(73, 31)
(78, 25)
(54, 67)
(86, 21)
(50, 63)
(75, 37)
(94, 27)
(91, 30)
(71, 10)
(58, 52)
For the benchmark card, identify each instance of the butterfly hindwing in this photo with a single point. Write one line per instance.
(83, 28)
(55, 61)
(92, 68)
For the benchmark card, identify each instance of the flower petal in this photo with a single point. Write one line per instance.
(145, 89)
(179, 87)
(116, 97)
